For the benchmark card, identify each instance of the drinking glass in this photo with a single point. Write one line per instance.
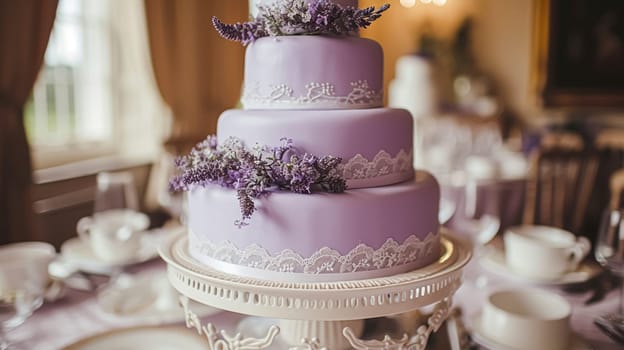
(23, 281)
(115, 191)
(114, 230)
(448, 205)
(479, 227)
(609, 253)
(116, 201)
(172, 202)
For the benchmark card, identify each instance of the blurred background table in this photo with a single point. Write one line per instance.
(502, 198)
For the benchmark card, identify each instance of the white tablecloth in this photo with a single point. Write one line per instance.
(79, 315)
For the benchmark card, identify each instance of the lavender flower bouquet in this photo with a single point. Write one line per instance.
(254, 172)
(291, 17)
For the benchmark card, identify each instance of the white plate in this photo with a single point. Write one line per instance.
(75, 252)
(152, 338)
(576, 342)
(147, 298)
(493, 260)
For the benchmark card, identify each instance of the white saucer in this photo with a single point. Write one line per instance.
(75, 252)
(153, 338)
(576, 342)
(493, 260)
(147, 298)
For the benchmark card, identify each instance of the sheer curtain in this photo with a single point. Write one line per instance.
(25, 28)
(143, 116)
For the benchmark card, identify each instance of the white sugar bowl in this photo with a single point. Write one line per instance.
(527, 319)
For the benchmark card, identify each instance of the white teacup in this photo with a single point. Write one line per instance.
(543, 252)
(113, 235)
(527, 319)
(25, 266)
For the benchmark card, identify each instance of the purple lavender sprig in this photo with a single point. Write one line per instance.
(244, 32)
(253, 172)
(329, 18)
(294, 17)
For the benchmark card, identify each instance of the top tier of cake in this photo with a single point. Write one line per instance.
(313, 72)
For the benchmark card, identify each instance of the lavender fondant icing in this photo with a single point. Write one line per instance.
(301, 226)
(313, 72)
(375, 144)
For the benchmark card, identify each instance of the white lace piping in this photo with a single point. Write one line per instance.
(317, 95)
(383, 169)
(323, 261)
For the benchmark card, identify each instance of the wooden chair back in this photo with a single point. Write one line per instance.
(562, 140)
(561, 176)
(609, 144)
(610, 139)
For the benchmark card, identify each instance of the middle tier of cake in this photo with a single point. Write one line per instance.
(363, 233)
(375, 144)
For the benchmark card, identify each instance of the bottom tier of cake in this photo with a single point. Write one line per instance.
(361, 233)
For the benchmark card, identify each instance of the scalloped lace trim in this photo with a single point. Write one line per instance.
(316, 93)
(325, 260)
(383, 164)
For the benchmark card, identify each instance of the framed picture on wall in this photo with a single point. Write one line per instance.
(579, 53)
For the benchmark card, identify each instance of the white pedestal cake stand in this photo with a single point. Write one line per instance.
(319, 315)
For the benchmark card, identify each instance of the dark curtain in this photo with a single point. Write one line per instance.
(25, 27)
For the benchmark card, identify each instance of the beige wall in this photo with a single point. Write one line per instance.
(502, 40)
(503, 46)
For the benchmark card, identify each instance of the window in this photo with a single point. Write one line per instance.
(90, 99)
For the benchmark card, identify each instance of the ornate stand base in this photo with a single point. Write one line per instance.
(319, 335)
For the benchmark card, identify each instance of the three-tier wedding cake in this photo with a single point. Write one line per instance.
(313, 179)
